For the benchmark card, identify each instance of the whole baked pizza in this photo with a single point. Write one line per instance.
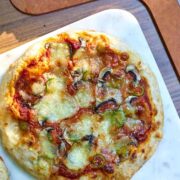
(80, 105)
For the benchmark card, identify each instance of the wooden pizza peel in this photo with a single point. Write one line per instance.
(36, 7)
(166, 14)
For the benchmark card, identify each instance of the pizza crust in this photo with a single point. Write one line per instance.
(11, 133)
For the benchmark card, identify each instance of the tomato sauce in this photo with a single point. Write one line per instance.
(74, 43)
(80, 112)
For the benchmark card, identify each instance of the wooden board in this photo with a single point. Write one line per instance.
(167, 16)
(36, 7)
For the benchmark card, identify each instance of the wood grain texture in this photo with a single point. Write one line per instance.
(43, 6)
(167, 16)
(17, 28)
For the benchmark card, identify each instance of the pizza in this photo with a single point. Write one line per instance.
(80, 105)
(3, 170)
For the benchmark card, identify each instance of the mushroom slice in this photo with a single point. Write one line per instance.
(132, 69)
(112, 102)
(129, 108)
(77, 75)
(129, 100)
(83, 42)
(104, 72)
(89, 138)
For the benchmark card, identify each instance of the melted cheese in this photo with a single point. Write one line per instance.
(77, 158)
(38, 88)
(104, 137)
(109, 93)
(54, 83)
(84, 126)
(89, 124)
(82, 65)
(43, 166)
(79, 154)
(54, 105)
(48, 149)
(60, 53)
(80, 53)
(85, 96)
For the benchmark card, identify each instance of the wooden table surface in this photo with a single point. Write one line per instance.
(17, 28)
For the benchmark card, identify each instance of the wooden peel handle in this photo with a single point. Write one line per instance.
(167, 16)
(36, 7)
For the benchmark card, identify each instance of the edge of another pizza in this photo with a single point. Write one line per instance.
(80, 105)
(4, 175)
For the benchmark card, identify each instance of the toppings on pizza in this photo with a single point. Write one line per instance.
(86, 105)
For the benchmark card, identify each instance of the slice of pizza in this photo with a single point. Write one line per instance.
(80, 105)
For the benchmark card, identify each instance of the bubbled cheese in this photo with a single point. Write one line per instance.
(84, 126)
(85, 96)
(60, 53)
(55, 106)
(104, 138)
(77, 158)
(38, 88)
(54, 83)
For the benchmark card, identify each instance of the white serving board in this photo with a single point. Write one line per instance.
(165, 163)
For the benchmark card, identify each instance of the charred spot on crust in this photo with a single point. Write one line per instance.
(143, 150)
(5, 124)
(155, 111)
(158, 135)
(145, 157)
(124, 56)
(158, 123)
